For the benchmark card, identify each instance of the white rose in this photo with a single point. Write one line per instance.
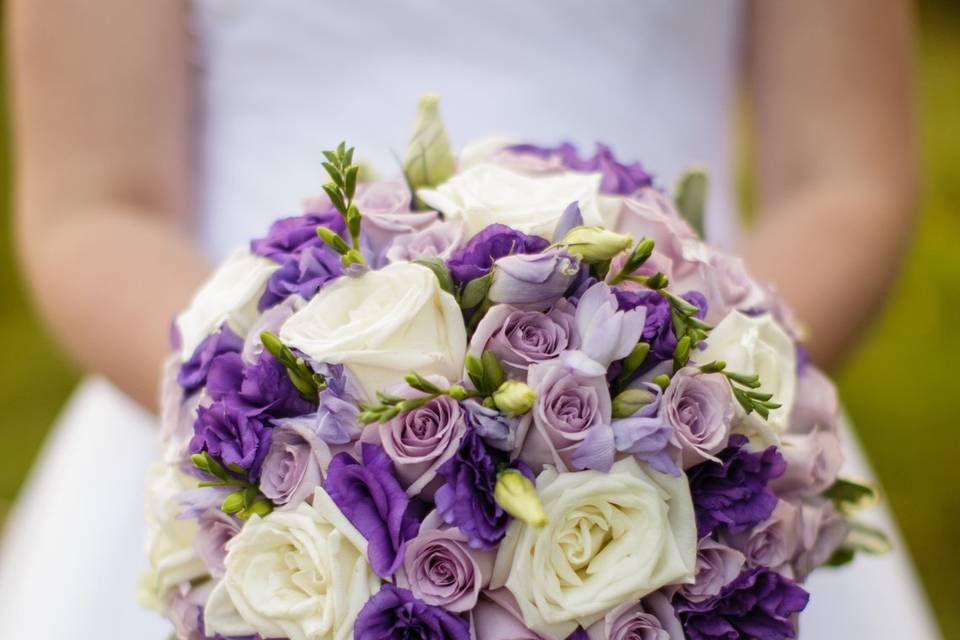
(170, 549)
(382, 326)
(487, 193)
(757, 346)
(301, 574)
(229, 295)
(610, 538)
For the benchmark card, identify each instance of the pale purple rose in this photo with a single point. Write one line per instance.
(813, 463)
(294, 464)
(649, 213)
(270, 320)
(185, 610)
(773, 542)
(421, 440)
(522, 338)
(724, 280)
(815, 404)
(497, 617)
(533, 281)
(822, 530)
(438, 240)
(607, 333)
(442, 569)
(652, 618)
(214, 529)
(717, 566)
(699, 406)
(569, 406)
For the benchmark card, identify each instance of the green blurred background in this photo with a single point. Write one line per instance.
(902, 387)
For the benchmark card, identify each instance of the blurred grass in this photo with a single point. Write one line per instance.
(901, 388)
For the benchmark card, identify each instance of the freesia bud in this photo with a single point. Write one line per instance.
(630, 401)
(595, 244)
(518, 497)
(514, 398)
(429, 159)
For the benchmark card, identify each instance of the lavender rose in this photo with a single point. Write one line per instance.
(700, 408)
(397, 613)
(215, 529)
(533, 281)
(717, 566)
(568, 407)
(652, 618)
(813, 463)
(438, 240)
(772, 542)
(497, 617)
(293, 466)
(440, 568)
(476, 258)
(421, 440)
(822, 529)
(521, 338)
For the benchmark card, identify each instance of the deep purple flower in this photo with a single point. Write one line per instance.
(193, 372)
(395, 614)
(476, 257)
(658, 327)
(466, 498)
(260, 388)
(303, 274)
(232, 436)
(288, 237)
(372, 499)
(617, 178)
(733, 492)
(758, 604)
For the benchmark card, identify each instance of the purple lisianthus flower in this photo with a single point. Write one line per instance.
(288, 237)
(214, 529)
(521, 338)
(734, 492)
(465, 500)
(569, 406)
(533, 281)
(658, 326)
(646, 436)
(699, 406)
(717, 566)
(260, 388)
(476, 258)
(371, 498)
(607, 332)
(337, 412)
(759, 604)
(193, 372)
(304, 275)
(294, 464)
(618, 178)
(232, 436)
(652, 618)
(396, 613)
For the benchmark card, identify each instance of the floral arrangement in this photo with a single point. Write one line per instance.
(511, 396)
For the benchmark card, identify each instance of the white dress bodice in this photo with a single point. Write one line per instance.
(282, 80)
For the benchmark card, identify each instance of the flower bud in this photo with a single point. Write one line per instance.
(630, 401)
(514, 398)
(595, 244)
(429, 159)
(518, 497)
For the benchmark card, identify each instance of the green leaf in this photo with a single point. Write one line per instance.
(492, 372)
(334, 174)
(691, 198)
(474, 371)
(348, 157)
(863, 537)
(350, 181)
(475, 291)
(439, 268)
(850, 496)
(331, 157)
(334, 194)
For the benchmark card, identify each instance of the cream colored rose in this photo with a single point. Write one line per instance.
(382, 326)
(229, 295)
(301, 574)
(170, 550)
(487, 193)
(757, 345)
(610, 538)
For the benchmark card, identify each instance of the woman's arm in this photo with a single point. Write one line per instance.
(101, 113)
(835, 162)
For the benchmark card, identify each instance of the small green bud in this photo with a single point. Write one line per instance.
(595, 244)
(420, 383)
(518, 497)
(658, 281)
(630, 401)
(715, 366)
(636, 357)
(640, 254)
(429, 159)
(233, 502)
(261, 507)
(458, 392)
(333, 239)
(662, 381)
(514, 398)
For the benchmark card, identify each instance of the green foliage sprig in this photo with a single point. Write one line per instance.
(341, 189)
(744, 389)
(246, 500)
(308, 383)
(388, 406)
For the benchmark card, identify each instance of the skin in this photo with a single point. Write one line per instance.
(102, 124)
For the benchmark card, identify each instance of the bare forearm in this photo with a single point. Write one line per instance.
(108, 286)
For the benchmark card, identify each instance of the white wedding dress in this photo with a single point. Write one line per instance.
(281, 80)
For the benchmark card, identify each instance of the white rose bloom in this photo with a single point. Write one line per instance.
(301, 574)
(382, 326)
(757, 345)
(229, 295)
(487, 193)
(170, 550)
(610, 538)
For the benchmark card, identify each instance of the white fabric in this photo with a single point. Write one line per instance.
(283, 79)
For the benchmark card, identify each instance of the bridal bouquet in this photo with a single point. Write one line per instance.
(512, 396)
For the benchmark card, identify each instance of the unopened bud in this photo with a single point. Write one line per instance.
(595, 244)
(518, 497)
(514, 398)
(630, 401)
